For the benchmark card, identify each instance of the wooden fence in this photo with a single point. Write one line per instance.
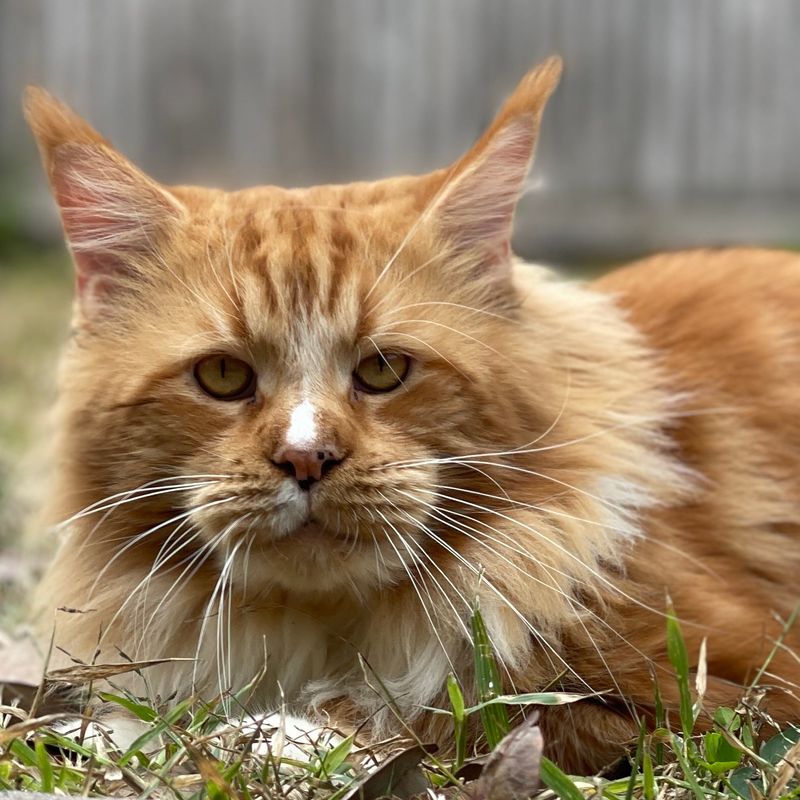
(678, 120)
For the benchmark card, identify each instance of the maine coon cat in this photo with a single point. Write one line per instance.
(301, 426)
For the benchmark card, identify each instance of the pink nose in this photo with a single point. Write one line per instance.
(307, 466)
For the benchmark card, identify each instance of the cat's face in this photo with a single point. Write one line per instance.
(287, 369)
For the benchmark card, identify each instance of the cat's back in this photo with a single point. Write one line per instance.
(725, 321)
(725, 326)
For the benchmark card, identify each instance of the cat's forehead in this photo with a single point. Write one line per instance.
(302, 262)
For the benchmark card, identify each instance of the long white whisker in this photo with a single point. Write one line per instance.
(483, 578)
(559, 547)
(109, 508)
(194, 561)
(439, 255)
(572, 600)
(422, 550)
(413, 582)
(142, 487)
(140, 537)
(407, 238)
(665, 417)
(565, 515)
(472, 309)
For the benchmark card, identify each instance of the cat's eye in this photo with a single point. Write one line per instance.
(225, 377)
(382, 372)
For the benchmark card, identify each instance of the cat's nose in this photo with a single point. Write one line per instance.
(307, 466)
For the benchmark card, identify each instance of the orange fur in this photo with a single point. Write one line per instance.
(564, 455)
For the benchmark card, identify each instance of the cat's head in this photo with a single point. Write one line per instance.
(291, 374)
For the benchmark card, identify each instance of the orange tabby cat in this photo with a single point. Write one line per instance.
(299, 426)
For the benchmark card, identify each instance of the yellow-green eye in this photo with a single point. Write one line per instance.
(225, 377)
(382, 372)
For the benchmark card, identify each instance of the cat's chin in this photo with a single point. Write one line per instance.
(308, 533)
(313, 559)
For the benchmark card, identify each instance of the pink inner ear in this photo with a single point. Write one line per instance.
(110, 213)
(478, 211)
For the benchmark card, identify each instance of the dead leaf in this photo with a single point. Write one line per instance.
(399, 776)
(787, 769)
(512, 770)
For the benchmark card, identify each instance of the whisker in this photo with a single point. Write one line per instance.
(573, 601)
(554, 512)
(388, 363)
(140, 537)
(397, 284)
(429, 208)
(559, 547)
(109, 509)
(484, 579)
(665, 417)
(472, 309)
(432, 624)
(194, 562)
(498, 353)
(430, 347)
(144, 487)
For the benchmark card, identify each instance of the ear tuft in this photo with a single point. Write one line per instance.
(54, 123)
(477, 202)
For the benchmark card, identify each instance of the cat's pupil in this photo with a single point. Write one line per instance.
(222, 367)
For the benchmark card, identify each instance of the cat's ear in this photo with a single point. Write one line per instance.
(114, 216)
(475, 207)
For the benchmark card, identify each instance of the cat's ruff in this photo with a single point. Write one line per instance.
(564, 455)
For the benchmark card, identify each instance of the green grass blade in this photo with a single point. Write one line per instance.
(661, 722)
(24, 752)
(530, 699)
(45, 768)
(337, 756)
(679, 658)
(648, 776)
(163, 725)
(459, 720)
(144, 713)
(494, 717)
(688, 773)
(558, 782)
(637, 763)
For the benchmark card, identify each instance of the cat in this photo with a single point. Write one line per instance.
(302, 433)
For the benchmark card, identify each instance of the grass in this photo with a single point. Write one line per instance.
(194, 750)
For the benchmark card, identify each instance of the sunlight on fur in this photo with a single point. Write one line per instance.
(564, 455)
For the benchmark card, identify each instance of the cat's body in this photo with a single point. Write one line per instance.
(567, 456)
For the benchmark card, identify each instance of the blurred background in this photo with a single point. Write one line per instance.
(677, 123)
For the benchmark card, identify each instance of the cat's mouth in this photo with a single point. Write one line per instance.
(311, 529)
(307, 530)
